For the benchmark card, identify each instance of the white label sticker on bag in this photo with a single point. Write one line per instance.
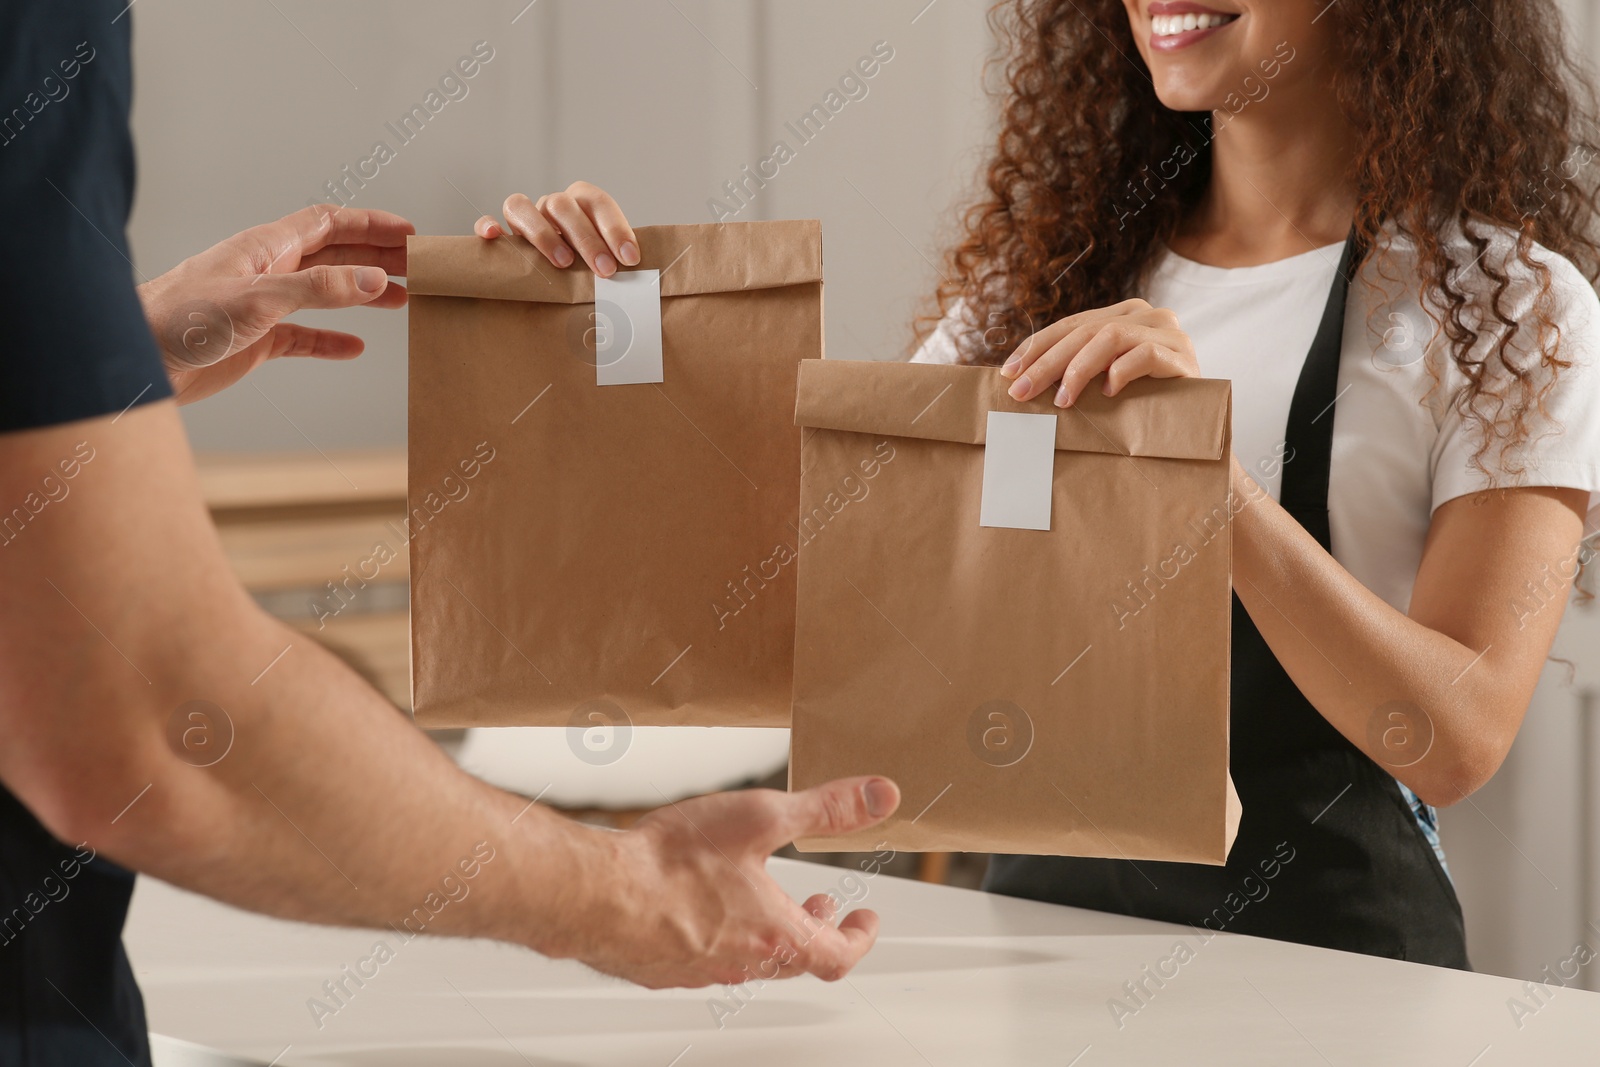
(1019, 460)
(627, 328)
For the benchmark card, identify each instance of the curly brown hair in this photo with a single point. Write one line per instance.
(1468, 116)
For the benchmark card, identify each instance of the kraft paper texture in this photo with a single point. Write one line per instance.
(1059, 692)
(625, 554)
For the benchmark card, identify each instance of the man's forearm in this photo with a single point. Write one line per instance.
(305, 794)
(326, 805)
(331, 807)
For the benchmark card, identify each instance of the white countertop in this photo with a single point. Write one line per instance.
(957, 978)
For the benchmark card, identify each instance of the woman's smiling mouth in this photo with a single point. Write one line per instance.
(1178, 25)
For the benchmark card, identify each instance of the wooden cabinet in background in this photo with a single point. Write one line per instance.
(295, 528)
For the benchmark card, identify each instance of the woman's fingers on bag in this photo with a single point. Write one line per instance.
(1149, 360)
(594, 225)
(1073, 351)
(524, 219)
(1054, 363)
(608, 218)
(1039, 342)
(1097, 353)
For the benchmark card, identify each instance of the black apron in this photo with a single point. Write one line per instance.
(1329, 851)
(67, 994)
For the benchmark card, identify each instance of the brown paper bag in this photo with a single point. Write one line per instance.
(607, 555)
(1059, 692)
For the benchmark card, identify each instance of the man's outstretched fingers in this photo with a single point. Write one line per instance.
(393, 296)
(391, 258)
(293, 339)
(320, 225)
(823, 906)
(840, 807)
(278, 247)
(323, 286)
(835, 950)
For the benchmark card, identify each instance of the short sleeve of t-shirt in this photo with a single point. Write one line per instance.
(941, 345)
(1562, 445)
(76, 344)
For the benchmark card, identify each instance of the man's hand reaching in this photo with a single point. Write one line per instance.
(684, 897)
(217, 315)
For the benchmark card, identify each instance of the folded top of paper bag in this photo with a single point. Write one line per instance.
(726, 258)
(1181, 418)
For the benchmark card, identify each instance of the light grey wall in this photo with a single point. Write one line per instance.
(1583, 18)
(245, 108)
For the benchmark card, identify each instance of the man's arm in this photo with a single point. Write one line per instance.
(329, 806)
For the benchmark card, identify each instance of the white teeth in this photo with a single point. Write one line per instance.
(1169, 25)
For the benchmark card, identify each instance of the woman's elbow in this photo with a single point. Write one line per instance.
(1459, 773)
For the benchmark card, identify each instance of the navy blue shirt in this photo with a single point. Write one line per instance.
(75, 340)
(73, 345)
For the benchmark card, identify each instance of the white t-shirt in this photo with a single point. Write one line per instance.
(1400, 449)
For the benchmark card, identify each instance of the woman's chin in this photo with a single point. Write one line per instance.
(1188, 98)
(1182, 86)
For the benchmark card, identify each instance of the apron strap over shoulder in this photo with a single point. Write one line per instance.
(1309, 435)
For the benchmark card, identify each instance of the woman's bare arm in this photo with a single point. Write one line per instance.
(1451, 679)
